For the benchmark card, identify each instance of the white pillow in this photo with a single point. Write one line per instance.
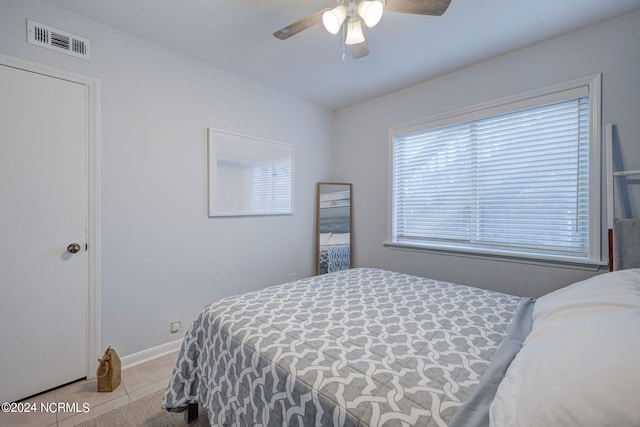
(340, 239)
(600, 294)
(584, 374)
(324, 238)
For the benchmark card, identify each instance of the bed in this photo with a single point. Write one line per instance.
(369, 347)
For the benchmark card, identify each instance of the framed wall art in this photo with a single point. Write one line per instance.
(249, 175)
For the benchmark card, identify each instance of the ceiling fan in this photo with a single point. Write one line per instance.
(353, 13)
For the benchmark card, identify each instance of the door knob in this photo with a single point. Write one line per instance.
(73, 248)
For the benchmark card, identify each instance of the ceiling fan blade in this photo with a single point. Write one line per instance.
(419, 7)
(300, 25)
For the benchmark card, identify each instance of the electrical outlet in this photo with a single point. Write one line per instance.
(174, 327)
(292, 277)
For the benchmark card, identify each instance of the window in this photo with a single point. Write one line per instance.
(514, 179)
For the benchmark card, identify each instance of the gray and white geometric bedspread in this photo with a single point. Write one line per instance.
(360, 347)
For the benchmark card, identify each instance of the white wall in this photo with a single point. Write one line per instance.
(361, 132)
(162, 258)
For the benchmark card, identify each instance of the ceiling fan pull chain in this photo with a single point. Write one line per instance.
(344, 44)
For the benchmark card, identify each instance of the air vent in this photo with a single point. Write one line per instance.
(58, 40)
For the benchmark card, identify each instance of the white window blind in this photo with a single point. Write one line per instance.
(271, 186)
(515, 182)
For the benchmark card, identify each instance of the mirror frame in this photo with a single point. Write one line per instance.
(318, 188)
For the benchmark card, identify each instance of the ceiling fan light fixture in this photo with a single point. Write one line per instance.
(370, 12)
(354, 32)
(352, 13)
(333, 19)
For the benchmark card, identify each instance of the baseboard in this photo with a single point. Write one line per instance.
(134, 359)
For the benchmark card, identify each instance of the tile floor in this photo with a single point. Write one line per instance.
(136, 382)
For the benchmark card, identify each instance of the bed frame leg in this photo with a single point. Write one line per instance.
(191, 413)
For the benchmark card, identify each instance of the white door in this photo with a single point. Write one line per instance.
(43, 210)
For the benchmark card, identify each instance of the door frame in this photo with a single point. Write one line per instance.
(92, 141)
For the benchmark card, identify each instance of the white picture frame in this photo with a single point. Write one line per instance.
(248, 175)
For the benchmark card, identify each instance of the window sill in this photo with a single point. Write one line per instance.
(497, 255)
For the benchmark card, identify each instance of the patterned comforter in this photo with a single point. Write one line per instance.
(360, 347)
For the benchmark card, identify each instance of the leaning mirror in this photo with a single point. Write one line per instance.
(334, 227)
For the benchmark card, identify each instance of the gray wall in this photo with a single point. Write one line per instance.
(162, 258)
(361, 132)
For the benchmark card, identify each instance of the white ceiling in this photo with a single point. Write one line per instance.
(236, 35)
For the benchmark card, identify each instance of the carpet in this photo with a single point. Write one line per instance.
(145, 412)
